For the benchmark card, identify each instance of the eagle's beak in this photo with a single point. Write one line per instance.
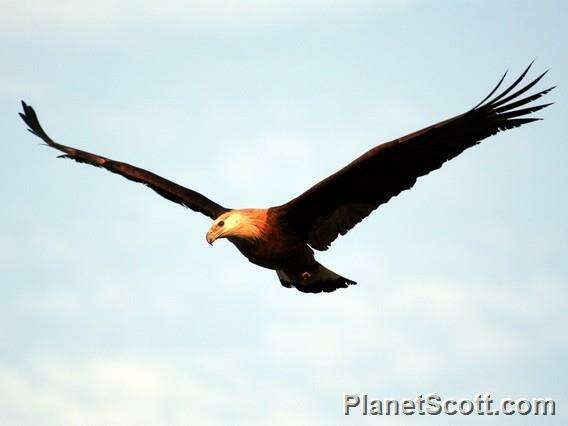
(210, 237)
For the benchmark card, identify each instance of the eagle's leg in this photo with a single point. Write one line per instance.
(316, 280)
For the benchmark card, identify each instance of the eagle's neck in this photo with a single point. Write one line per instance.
(249, 224)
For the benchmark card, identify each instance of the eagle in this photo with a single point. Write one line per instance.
(283, 238)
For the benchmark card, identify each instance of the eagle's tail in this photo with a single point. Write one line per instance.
(314, 281)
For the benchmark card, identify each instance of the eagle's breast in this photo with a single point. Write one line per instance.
(275, 246)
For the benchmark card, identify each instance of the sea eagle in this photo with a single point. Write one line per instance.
(283, 238)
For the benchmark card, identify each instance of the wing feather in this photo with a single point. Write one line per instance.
(167, 189)
(336, 204)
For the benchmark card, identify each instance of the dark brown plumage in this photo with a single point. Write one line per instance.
(282, 238)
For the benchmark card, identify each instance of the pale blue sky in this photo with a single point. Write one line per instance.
(115, 311)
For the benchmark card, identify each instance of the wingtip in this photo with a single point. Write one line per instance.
(530, 65)
(26, 107)
(536, 80)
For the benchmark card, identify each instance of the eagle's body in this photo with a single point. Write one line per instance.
(265, 239)
(283, 238)
(274, 247)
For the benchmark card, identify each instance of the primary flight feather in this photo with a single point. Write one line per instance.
(282, 238)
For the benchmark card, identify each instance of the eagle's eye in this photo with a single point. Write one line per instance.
(220, 223)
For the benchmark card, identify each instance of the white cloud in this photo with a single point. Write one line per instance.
(107, 298)
(130, 391)
(99, 391)
(254, 162)
(411, 318)
(342, 342)
(200, 13)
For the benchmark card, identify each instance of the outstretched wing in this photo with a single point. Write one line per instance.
(336, 204)
(170, 190)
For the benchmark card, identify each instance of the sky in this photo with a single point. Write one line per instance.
(114, 309)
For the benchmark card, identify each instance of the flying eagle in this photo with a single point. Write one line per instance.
(282, 238)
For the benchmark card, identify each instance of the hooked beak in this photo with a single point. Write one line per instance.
(210, 237)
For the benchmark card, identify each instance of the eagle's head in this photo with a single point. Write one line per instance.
(247, 224)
